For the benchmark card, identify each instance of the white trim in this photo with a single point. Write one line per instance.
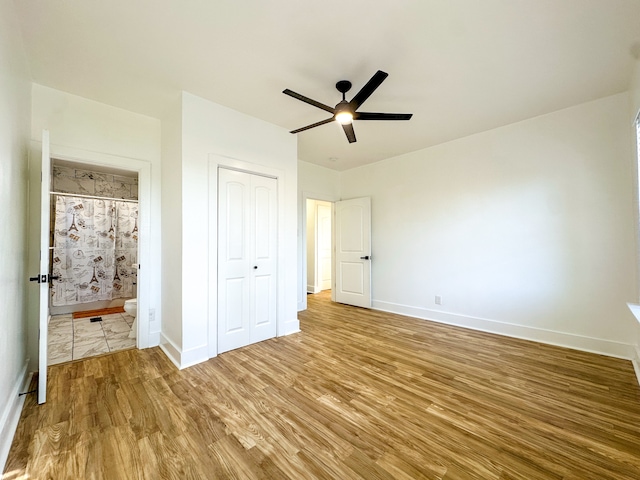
(561, 339)
(183, 359)
(154, 338)
(636, 363)
(302, 240)
(170, 349)
(11, 414)
(296, 328)
(193, 356)
(635, 309)
(215, 162)
(143, 169)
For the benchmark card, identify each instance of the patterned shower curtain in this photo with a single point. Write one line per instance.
(95, 247)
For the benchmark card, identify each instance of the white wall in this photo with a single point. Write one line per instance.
(87, 131)
(634, 89)
(526, 230)
(172, 223)
(15, 109)
(214, 135)
(319, 183)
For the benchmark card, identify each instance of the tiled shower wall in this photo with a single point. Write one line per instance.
(86, 182)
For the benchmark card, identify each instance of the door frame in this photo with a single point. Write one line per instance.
(302, 243)
(216, 162)
(317, 280)
(143, 169)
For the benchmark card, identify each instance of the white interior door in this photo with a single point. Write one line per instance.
(247, 251)
(43, 275)
(353, 252)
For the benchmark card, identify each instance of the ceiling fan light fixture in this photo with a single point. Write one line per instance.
(344, 117)
(346, 112)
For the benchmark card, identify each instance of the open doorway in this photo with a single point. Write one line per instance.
(94, 260)
(319, 257)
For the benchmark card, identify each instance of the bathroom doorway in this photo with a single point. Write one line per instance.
(94, 260)
(39, 313)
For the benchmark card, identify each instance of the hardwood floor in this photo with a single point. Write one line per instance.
(357, 395)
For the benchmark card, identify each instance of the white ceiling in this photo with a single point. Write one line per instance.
(460, 66)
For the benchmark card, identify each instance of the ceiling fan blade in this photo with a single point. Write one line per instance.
(366, 91)
(381, 116)
(309, 101)
(312, 125)
(348, 130)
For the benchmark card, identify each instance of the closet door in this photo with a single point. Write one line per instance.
(247, 237)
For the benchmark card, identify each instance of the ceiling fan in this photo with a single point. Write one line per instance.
(345, 112)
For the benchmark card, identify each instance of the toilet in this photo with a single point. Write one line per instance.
(131, 307)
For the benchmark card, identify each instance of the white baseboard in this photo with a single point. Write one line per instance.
(302, 305)
(154, 339)
(183, 359)
(313, 289)
(193, 356)
(561, 339)
(636, 363)
(170, 349)
(11, 414)
(290, 327)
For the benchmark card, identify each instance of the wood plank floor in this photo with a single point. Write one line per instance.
(357, 395)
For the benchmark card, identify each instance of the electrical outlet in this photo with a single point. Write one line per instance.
(438, 300)
(152, 315)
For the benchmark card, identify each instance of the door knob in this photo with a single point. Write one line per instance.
(366, 257)
(255, 267)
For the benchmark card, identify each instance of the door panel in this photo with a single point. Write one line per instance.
(233, 261)
(235, 301)
(352, 276)
(353, 252)
(247, 233)
(45, 189)
(264, 245)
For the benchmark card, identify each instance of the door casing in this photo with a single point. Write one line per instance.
(90, 158)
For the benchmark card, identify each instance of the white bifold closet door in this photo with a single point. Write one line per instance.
(247, 249)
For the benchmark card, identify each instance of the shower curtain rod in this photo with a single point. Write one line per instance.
(92, 197)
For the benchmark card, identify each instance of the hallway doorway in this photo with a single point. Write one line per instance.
(319, 257)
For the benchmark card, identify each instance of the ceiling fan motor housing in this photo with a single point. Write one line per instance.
(343, 86)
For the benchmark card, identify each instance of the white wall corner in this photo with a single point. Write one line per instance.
(549, 337)
(636, 363)
(171, 350)
(183, 359)
(11, 413)
(635, 309)
(290, 327)
(193, 356)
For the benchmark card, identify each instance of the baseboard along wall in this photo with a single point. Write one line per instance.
(576, 342)
(11, 414)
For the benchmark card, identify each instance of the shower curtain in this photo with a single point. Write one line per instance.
(95, 247)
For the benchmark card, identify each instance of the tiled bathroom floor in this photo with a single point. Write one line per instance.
(71, 339)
